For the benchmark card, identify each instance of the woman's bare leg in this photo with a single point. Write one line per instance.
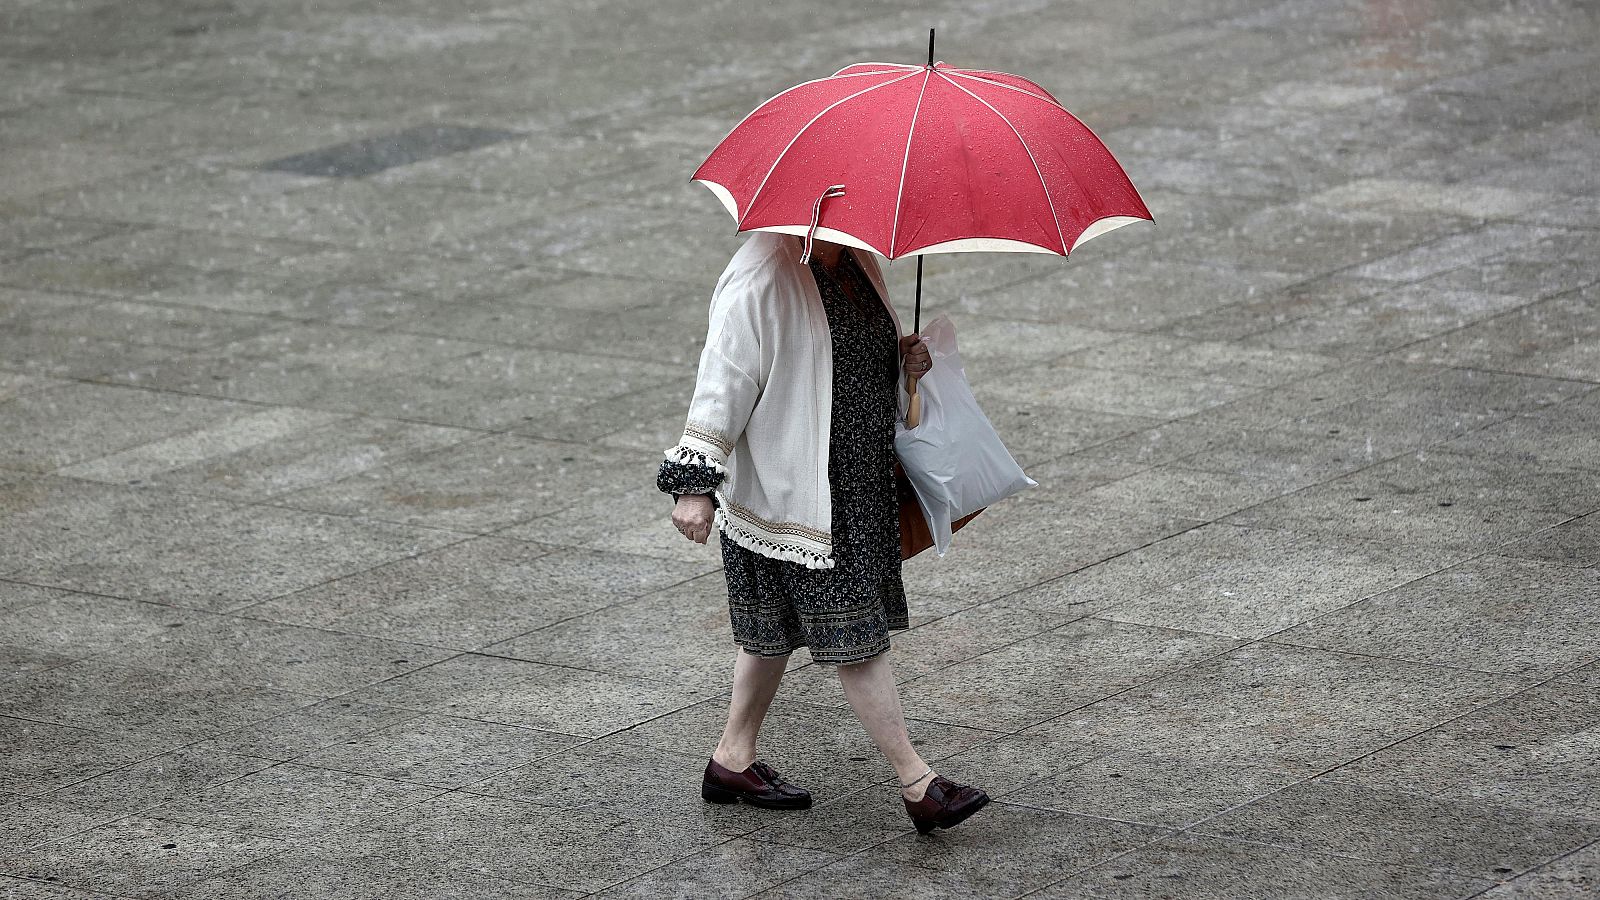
(755, 683)
(870, 688)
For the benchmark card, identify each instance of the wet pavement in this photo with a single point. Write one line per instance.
(339, 344)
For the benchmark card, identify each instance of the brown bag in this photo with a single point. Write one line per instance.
(914, 534)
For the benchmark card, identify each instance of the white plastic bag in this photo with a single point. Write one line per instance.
(954, 457)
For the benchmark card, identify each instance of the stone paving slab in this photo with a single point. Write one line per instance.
(339, 344)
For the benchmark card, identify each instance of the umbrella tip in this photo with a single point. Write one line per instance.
(930, 46)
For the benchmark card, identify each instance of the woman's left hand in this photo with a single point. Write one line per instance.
(916, 360)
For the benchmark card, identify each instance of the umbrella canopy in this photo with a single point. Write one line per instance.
(931, 159)
(911, 160)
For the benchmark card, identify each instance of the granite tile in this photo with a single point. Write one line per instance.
(20, 307)
(139, 856)
(1374, 381)
(678, 634)
(1106, 391)
(1491, 614)
(1091, 659)
(633, 520)
(1404, 830)
(306, 870)
(160, 325)
(1556, 438)
(1194, 866)
(1555, 337)
(48, 520)
(532, 695)
(15, 595)
(472, 594)
(1141, 570)
(1266, 310)
(372, 155)
(58, 427)
(1299, 236)
(238, 557)
(1210, 361)
(287, 657)
(1150, 788)
(293, 802)
(306, 729)
(1447, 253)
(1389, 321)
(141, 703)
(983, 562)
(1554, 265)
(1015, 762)
(480, 485)
(518, 842)
(270, 452)
(1343, 511)
(1182, 492)
(1572, 875)
(169, 777)
(27, 822)
(731, 870)
(1247, 582)
(1572, 543)
(17, 661)
(870, 872)
(1281, 708)
(1286, 460)
(969, 633)
(1530, 751)
(80, 625)
(42, 756)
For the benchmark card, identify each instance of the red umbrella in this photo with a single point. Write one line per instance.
(921, 159)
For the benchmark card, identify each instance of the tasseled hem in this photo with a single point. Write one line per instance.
(685, 454)
(765, 546)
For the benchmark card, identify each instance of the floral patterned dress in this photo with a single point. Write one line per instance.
(843, 614)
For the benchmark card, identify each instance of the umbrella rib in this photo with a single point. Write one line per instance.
(905, 163)
(1011, 87)
(1060, 235)
(801, 133)
(891, 67)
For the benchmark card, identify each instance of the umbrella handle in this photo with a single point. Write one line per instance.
(914, 410)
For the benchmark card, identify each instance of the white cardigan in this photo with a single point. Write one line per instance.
(763, 397)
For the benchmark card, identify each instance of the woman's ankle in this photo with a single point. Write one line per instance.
(734, 759)
(916, 786)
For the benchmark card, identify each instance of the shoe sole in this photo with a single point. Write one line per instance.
(715, 794)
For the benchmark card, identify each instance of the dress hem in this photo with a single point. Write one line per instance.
(875, 650)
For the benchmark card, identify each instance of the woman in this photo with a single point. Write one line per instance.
(789, 451)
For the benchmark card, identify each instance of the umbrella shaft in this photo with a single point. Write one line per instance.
(916, 316)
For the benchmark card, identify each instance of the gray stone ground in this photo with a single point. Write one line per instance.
(339, 342)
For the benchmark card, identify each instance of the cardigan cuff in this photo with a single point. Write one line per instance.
(678, 478)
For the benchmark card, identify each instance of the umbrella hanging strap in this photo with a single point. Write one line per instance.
(816, 215)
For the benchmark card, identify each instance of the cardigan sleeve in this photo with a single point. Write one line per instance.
(733, 369)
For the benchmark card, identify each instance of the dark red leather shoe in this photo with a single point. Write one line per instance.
(760, 785)
(945, 805)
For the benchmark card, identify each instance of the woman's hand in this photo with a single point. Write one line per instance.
(692, 516)
(916, 359)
